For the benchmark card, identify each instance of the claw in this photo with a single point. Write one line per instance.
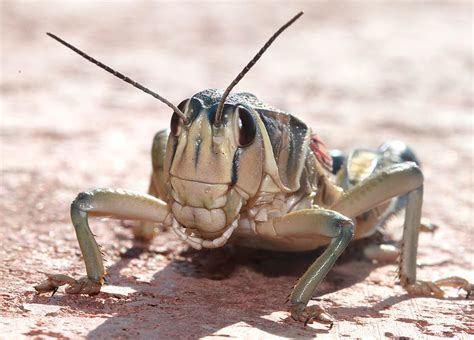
(84, 286)
(308, 314)
(425, 288)
(53, 282)
(428, 288)
(457, 282)
(469, 288)
(81, 286)
(323, 318)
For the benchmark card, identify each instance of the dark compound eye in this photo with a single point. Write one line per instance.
(245, 126)
(176, 121)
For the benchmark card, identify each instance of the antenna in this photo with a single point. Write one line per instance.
(121, 76)
(220, 107)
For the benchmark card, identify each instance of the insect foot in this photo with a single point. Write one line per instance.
(53, 282)
(84, 286)
(469, 288)
(428, 288)
(425, 288)
(308, 314)
(81, 286)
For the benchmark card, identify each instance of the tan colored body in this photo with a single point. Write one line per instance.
(260, 201)
(234, 169)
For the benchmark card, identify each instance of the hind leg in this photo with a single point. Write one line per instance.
(359, 165)
(376, 218)
(398, 180)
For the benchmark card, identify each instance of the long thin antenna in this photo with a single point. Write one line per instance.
(121, 76)
(247, 68)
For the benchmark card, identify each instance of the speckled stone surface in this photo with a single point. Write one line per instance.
(359, 73)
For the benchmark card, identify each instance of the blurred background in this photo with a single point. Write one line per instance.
(358, 72)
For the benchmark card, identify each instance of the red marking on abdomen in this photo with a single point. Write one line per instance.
(320, 151)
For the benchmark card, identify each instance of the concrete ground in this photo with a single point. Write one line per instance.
(358, 72)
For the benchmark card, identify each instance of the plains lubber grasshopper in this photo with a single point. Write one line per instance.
(233, 169)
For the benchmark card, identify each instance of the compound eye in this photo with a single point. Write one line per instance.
(245, 126)
(176, 121)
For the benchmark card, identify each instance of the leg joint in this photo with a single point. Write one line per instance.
(83, 201)
(416, 171)
(412, 173)
(347, 229)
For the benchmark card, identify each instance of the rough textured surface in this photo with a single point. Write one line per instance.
(359, 73)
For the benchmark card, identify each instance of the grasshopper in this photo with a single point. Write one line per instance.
(234, 169)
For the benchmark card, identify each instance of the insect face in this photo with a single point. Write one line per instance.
(214, 156)
(207, 162)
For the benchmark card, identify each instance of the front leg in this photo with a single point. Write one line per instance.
(317, 224)
(119, 204)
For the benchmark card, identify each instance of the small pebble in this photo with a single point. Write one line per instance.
(118, 292)
(42, 310)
